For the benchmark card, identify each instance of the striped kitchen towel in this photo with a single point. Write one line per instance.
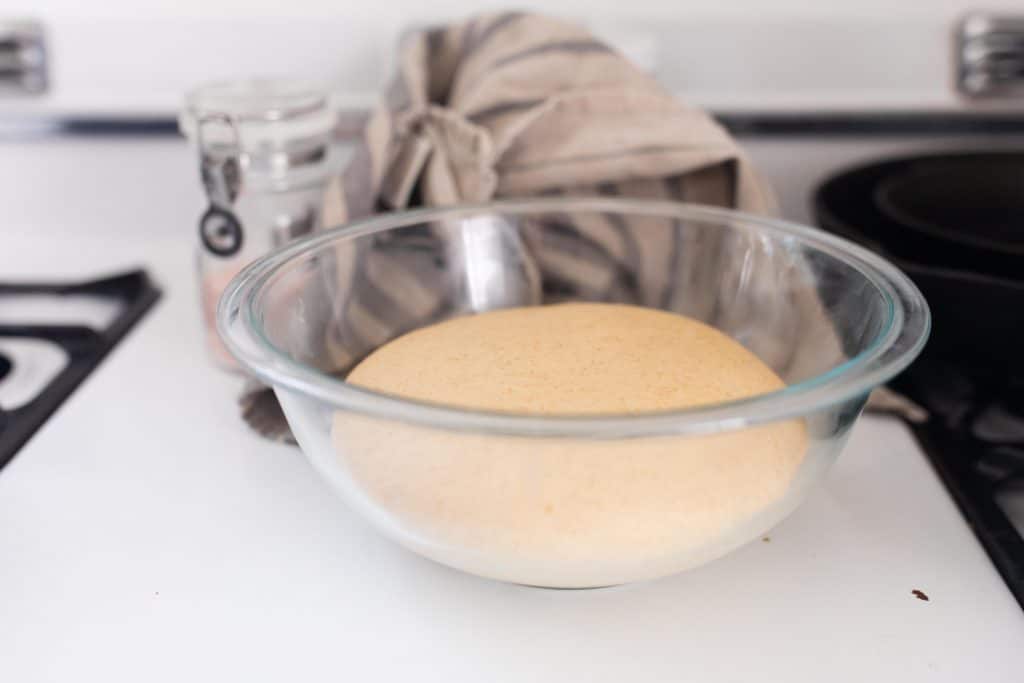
(518, 105)
(515, 104)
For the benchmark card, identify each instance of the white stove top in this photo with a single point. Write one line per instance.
(145, 534)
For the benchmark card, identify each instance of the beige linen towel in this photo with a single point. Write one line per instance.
(516, 105)
(513, 105)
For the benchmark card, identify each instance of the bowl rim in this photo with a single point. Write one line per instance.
(899, 342)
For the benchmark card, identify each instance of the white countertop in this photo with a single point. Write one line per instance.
(145, 534)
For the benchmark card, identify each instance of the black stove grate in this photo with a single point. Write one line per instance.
(85, 346)
(974, 439)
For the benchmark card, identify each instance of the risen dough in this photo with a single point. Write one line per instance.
(569, 359)
(567, 511)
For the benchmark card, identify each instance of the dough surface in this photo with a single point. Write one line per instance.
(557, 511)
(569, 359)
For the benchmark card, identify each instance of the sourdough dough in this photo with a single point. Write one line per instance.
(567, 511)
(567, 359)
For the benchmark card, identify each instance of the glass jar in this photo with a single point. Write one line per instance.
(265, 157)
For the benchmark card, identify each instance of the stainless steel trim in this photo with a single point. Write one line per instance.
(990, 55)
(22, 58)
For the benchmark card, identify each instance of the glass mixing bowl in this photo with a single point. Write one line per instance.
(574, 501)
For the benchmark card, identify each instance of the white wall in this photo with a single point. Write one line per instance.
(398, 9)
(138, 56)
